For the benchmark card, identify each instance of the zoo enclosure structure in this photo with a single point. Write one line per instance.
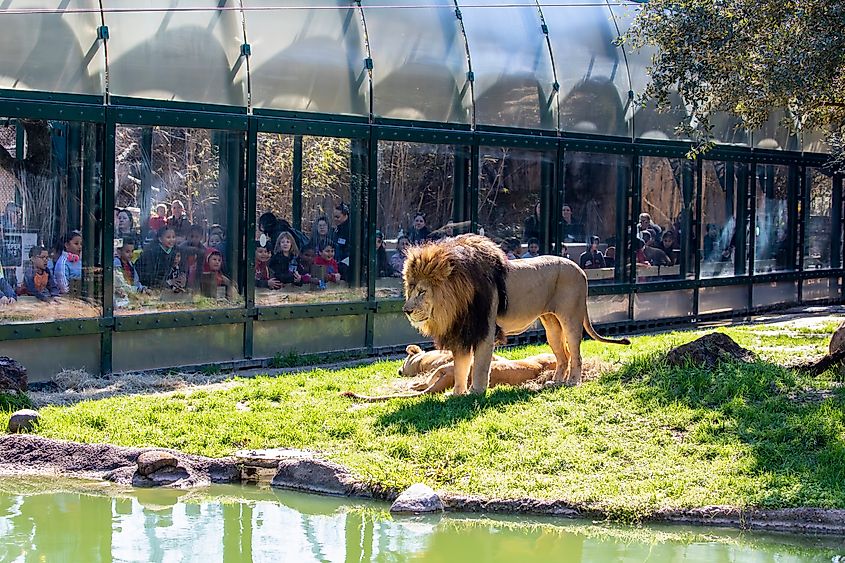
(519, 119)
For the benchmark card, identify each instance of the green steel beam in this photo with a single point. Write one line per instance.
(250, 229)
(310, 311)
(312, 128)
(297, 183)
(62, 327)
(198, 317)
(177, 118)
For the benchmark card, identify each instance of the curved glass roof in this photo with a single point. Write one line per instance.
(537, 64)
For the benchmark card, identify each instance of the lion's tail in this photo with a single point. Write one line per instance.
(376, 398)
(588, 326)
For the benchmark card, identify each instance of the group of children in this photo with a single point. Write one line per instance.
(166, 266)
(283, 263)
(47, 277)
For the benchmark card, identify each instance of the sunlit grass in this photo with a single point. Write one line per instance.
(641, 437)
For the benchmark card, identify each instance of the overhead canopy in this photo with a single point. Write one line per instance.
(521, 63)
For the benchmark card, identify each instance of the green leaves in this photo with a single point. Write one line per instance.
(747, 58)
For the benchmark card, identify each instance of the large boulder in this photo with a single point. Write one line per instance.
(317, 476)
(417, 499)
(151, 461)
(12, 375)
(710, 350)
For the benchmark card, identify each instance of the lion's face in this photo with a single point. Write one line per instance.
(419, 305)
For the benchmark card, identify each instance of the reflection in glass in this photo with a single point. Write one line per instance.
(592, 184)
(663, 226)
(421, 69)
(510, 183)
(307, 59)
(510, 59)
(176, 202)
(50, 247)
(308, 244)
(774, 247)
(723, 220)
(819, 228)
(590, 68)
(415, 203)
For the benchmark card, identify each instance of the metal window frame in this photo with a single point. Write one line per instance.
(126, 111)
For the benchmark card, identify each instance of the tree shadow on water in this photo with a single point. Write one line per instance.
(792, 425)
(433, 412)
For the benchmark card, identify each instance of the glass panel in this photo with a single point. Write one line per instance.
(50, 247)
(819, 229)
(662, 305)
(308, 245)
(722, 299)
(64, 353)
(775, 248)
(307, 59)
(176, 213)
(183, 346)
(509, 190)
(52, 52)
(817, 289)
(309, 336)
(665, 220)
(172, 54)
(607, 308)
(775, 134)
(592, 184)
(415, 204)
(649, 123)
(723, 189)
(775, 293)
(512, 65)
(420, 63)
(815, 141)
(591, 70)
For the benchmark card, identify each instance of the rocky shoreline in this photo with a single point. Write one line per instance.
(26, 454)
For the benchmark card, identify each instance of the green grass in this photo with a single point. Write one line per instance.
(641, 437)
(10, 402)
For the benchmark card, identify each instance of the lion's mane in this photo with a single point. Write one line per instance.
(464, 272)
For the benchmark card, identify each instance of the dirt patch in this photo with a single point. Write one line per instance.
(709, 351)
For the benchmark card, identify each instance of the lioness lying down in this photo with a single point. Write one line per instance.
(418, 361)
(502, 372)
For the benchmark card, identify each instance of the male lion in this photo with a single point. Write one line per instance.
(464, 293)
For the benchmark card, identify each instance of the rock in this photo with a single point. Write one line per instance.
(317, 476)
(164, 477)
(23, 420)
(709, 350)
(416, 499)
(837, 341)
(151, 461)
(12, 375)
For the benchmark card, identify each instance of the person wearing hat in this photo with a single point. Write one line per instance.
(592, 258)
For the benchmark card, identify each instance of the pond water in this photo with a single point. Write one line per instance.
(58, 520)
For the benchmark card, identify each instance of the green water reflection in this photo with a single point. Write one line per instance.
(58, 520)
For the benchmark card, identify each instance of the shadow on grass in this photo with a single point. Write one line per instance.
(792, 425)
(438, 411)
